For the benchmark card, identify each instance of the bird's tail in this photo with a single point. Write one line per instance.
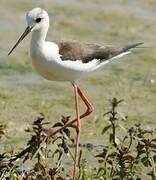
(124, 51)
(131, 46)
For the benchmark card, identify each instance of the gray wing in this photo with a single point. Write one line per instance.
(74, 50)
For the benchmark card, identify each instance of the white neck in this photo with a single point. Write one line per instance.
(38, 37)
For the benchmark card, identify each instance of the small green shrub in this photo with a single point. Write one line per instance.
(126, 156)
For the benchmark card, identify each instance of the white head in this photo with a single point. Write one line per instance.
(37, 20)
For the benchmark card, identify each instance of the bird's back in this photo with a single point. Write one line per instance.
(75, 50)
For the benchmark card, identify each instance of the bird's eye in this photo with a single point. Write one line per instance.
(38, 20)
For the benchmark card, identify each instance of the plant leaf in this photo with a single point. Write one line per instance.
(105, 129)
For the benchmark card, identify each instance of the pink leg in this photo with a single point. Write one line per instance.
(77, 129)
(90, 108)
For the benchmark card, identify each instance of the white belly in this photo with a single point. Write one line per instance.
(56, 71)
(48, 63)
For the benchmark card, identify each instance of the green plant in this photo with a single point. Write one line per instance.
(38, 152)
(125, 154)
(129, 150)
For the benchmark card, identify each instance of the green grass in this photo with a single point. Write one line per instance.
(23, 94)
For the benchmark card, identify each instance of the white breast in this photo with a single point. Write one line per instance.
(47, 61)
(43, 58)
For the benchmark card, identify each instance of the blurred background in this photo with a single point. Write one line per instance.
(24, 94)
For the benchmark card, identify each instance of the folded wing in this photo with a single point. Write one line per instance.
(75, 50)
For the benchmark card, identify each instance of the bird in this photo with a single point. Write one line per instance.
(67, 60)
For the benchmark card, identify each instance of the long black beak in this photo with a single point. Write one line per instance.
(26, 32)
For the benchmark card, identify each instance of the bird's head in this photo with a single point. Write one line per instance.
(37, 20)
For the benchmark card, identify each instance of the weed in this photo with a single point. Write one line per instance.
(124, 155)
(43, 157)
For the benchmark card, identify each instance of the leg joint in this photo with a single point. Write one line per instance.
(77, 130)
(90, 109)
